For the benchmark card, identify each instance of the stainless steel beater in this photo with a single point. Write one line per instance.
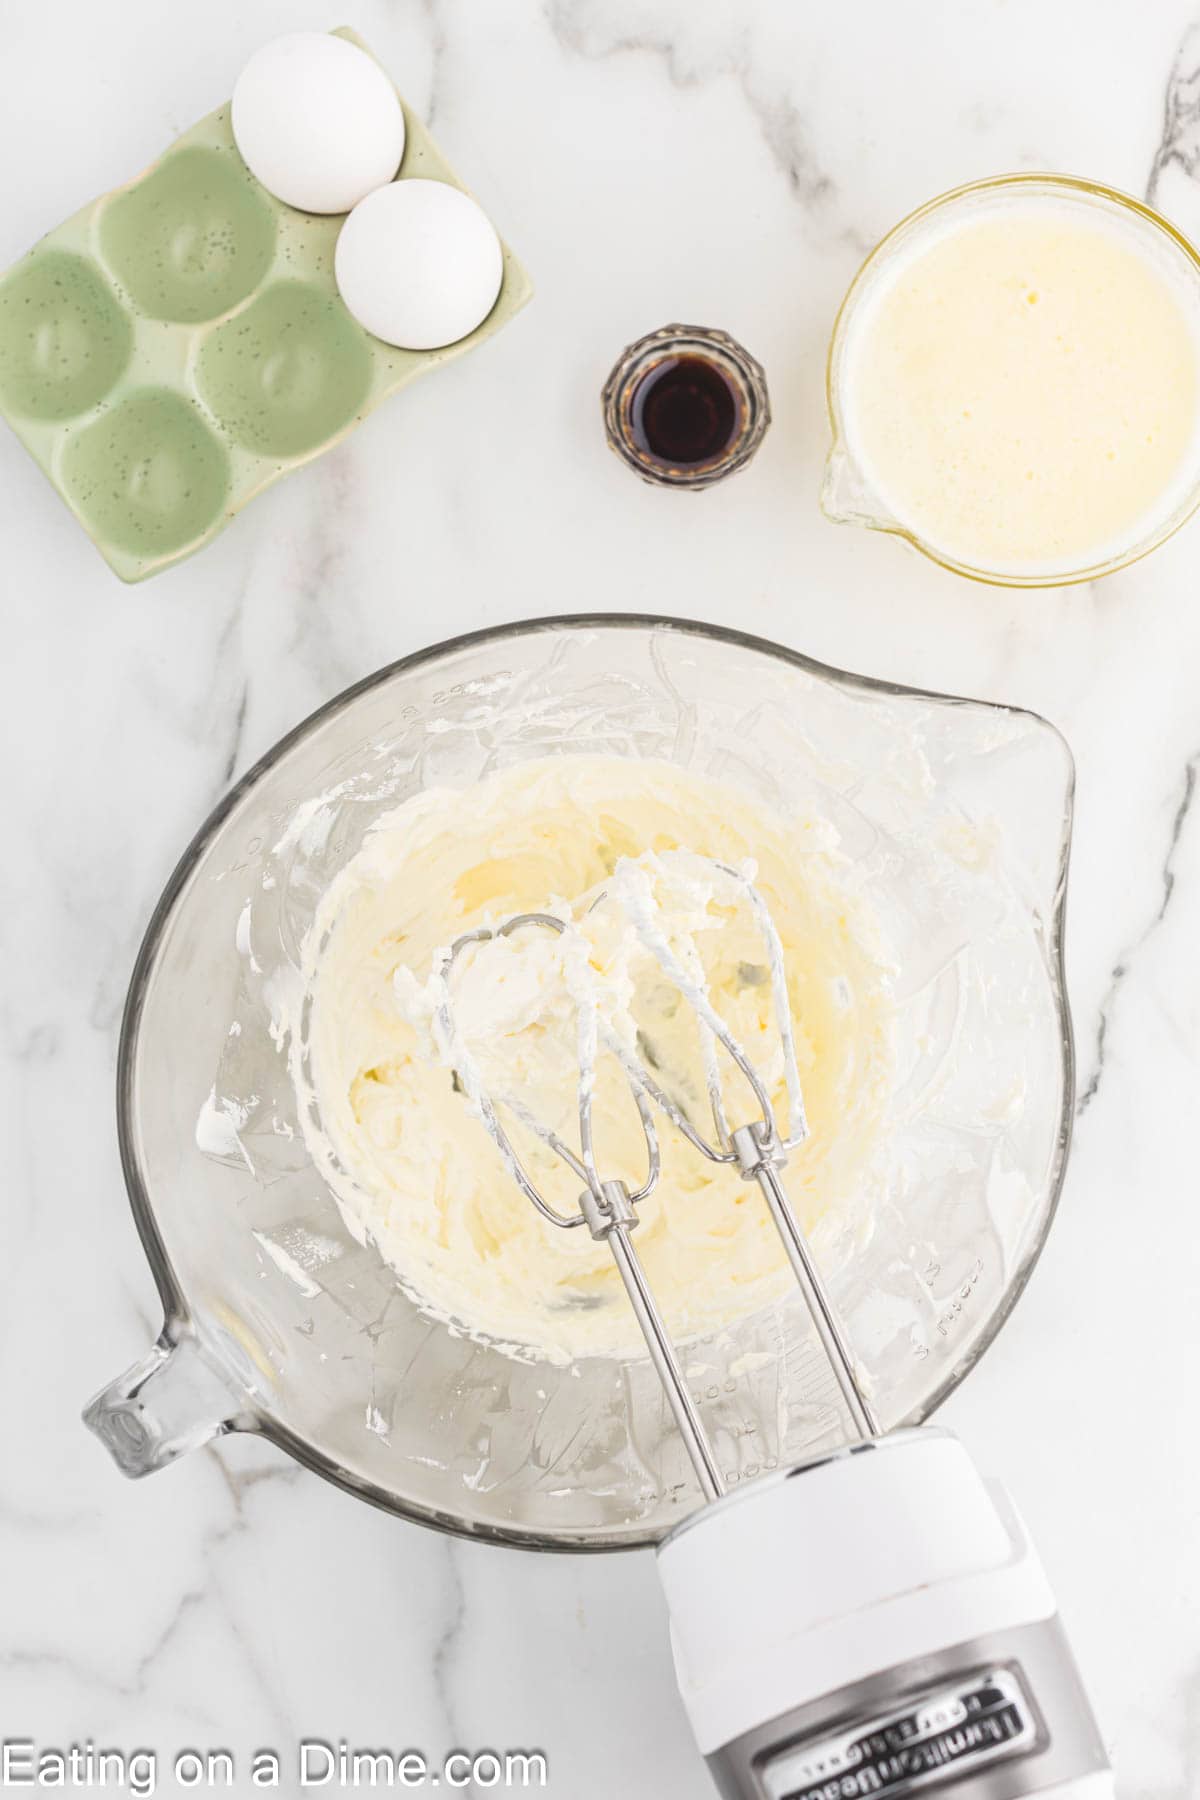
(608, 1205)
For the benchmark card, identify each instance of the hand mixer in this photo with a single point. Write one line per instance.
(871, 1622)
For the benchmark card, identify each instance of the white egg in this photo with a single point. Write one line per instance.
(317, 122)
(419, 264)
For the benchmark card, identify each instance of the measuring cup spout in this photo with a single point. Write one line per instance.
(172, 1401)
(845, 496)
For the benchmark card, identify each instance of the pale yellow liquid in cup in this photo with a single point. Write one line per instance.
(1021, 393)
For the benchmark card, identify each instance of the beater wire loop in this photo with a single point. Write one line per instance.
(593, 1034)
(633, 891)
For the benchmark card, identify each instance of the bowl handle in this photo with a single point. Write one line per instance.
(172, 1401)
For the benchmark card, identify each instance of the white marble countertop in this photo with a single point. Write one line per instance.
(727, 161)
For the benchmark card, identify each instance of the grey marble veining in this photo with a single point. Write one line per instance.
(651, 159)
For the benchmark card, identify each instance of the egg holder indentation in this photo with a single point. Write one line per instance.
(178, 345)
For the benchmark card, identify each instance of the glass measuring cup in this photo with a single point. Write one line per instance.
(851, 496)
(954, 819)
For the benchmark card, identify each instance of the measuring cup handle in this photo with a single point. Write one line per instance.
(172, 1401)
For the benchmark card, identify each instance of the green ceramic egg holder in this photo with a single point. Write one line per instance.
(179, 345)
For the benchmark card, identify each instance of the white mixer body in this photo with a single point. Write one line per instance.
(873, 1625)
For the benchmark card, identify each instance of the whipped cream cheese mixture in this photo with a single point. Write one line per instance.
(608, 845)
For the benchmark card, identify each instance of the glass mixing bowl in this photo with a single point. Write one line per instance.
(954, 819)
